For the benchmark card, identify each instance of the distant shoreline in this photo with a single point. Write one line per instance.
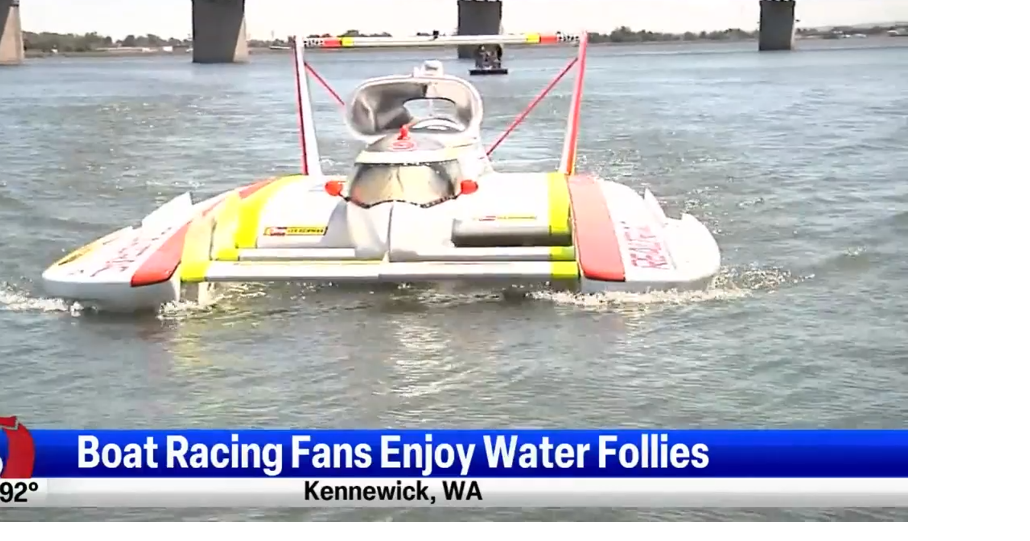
(116, 53)
(270, 50)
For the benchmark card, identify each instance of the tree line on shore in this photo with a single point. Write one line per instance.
(92, 41)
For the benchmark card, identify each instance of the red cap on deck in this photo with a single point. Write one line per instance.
(404, 132)
(468, 186)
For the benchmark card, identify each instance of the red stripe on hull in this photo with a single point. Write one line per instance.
(250, 190)
(597, 246)
(161, 265)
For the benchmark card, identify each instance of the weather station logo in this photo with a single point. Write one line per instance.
(17, 451)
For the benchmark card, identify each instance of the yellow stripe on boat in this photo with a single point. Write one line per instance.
(563, 258)
(564, 270)
(251, 207)
(195, 254)
(558, 205)
(223, 241)
(563, 253)
(533, 38)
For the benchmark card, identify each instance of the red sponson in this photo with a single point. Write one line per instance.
(161, 265)
(597, 245)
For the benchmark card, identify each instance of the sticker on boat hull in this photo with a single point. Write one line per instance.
(509, 217)
(128, 255)
(293, 231)
(646, 249)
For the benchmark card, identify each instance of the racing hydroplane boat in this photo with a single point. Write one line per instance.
(423, 204)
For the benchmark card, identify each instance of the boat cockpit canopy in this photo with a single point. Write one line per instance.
(421, 183)
(382, 105)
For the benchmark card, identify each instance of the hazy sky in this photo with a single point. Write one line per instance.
(402, 17)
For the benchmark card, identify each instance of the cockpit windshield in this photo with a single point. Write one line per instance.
(416, 183)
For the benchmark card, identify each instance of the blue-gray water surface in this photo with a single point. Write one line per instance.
(797, 161)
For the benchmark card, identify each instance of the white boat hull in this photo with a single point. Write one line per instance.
(577, 233)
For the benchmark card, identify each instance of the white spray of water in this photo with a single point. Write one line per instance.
(730, 284)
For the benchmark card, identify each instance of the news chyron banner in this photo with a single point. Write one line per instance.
(452, 468)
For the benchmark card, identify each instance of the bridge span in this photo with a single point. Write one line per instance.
(220, 28)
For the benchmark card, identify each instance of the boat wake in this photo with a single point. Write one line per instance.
(14, 300)
(730, 284)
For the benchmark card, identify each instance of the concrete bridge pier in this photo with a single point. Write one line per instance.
(219, 32)
(12, 48)
(477, 18)
(776, 25)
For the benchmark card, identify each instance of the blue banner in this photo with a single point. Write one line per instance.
(456, 453)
